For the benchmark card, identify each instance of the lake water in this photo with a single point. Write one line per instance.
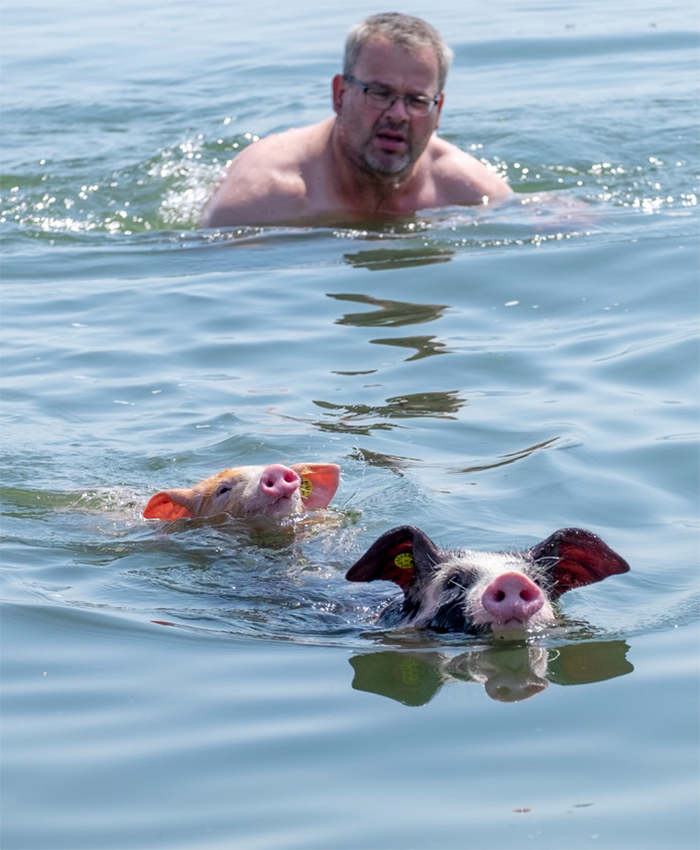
(486, 375)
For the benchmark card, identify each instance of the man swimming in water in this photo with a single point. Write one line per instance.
(378, 156)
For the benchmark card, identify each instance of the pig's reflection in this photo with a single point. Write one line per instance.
(508, 673)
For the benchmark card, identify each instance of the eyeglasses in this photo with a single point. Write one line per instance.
(418, 105)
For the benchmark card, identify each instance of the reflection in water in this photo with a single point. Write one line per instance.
(396, 314)
(392, 314)
(347, 418)
(511, 457)
(508, 673)
(399, 258)
(426, 346)
(393, 462)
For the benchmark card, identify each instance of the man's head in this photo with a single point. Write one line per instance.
(394, 66)
(409, 33)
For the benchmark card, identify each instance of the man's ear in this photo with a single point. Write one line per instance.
(438, 109)
(339, 88)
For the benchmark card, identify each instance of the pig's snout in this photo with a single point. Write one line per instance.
(279, 482)
(512, 596)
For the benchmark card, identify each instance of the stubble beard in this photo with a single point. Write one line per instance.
(386, 166)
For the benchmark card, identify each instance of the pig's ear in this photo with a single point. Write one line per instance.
(573, 557)
(168, 505)
(319, 481)
(403, 555)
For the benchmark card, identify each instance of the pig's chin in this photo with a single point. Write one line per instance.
(509, 627)
(514, 627)
(283, 506)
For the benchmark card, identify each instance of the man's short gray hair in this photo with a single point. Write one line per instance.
(405, 31)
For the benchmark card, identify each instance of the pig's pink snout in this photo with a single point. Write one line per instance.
(512, 596)
(279, 481)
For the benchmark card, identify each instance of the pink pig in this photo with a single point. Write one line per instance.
(274, 490)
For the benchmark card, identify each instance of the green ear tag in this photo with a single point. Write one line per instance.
(404, 561)
(306, 488)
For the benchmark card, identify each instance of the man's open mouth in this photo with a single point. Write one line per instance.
(391, 139)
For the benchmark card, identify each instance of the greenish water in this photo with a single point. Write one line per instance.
(488, 376)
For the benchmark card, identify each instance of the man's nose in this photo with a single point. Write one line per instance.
(398, 109)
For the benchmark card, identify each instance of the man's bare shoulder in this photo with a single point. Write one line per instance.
(266, 181)
(290, 148)
(462, 179)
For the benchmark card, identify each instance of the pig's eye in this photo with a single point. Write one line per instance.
(225, 488)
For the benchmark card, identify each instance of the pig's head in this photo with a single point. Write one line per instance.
(275, 490)
(470, 591)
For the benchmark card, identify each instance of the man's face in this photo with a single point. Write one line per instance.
(386, 142)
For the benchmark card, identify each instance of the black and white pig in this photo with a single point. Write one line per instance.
(475, 592)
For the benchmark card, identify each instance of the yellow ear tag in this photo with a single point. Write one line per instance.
(306, 488)
(404, 561)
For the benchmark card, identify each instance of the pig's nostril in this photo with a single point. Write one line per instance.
(512, 596)
(279, 481)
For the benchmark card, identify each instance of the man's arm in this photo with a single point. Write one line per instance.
(257, 188)
(463, 180)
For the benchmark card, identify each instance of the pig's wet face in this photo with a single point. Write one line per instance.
(481, 591)
(476, 592)
(245, 491)
(272, 490)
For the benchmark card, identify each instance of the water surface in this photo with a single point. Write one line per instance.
(486, 375)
